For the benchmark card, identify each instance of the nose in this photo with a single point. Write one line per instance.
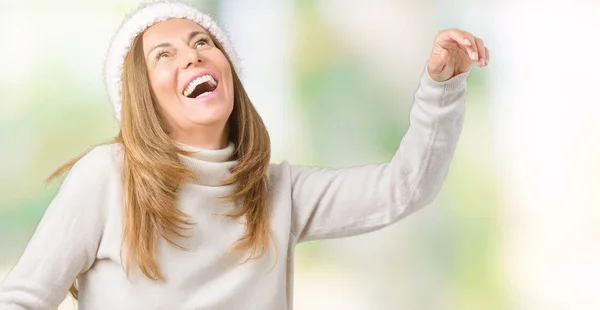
(190, 57)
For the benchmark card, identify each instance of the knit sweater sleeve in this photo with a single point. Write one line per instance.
(332, 203)
(65, 241)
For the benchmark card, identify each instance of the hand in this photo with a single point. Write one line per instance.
(454, 52)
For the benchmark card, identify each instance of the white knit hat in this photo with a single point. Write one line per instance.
(146, 15)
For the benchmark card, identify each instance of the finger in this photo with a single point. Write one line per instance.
(474, 53)
(440, 63)
(444, 57)
(481, 51)
(487, 56)
(454, 36)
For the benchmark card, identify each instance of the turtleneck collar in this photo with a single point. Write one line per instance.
(209, 166)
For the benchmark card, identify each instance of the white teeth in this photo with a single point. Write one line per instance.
(197, 81)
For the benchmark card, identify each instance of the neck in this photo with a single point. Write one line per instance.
(210, 167)
(205, 138)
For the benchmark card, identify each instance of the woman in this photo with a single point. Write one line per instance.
(184, 211)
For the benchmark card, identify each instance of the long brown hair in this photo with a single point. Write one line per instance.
(152, 172)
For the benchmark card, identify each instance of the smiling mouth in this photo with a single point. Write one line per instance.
(200, 86)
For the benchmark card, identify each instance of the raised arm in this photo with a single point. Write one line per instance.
(65, 241)
(331, 203)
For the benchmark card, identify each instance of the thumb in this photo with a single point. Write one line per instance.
(438, 62)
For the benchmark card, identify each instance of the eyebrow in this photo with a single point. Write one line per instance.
(191, 35)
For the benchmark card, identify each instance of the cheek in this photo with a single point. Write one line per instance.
(226, 69)
(163, 84)
(230, 89)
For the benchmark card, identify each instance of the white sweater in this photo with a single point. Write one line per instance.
(79, 235)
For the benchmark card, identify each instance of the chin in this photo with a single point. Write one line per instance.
(207, 123)
(207, 116)
(207, 120)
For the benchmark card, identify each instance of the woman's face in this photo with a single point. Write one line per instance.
(191, 78)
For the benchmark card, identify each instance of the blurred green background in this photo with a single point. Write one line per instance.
(515, 225)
